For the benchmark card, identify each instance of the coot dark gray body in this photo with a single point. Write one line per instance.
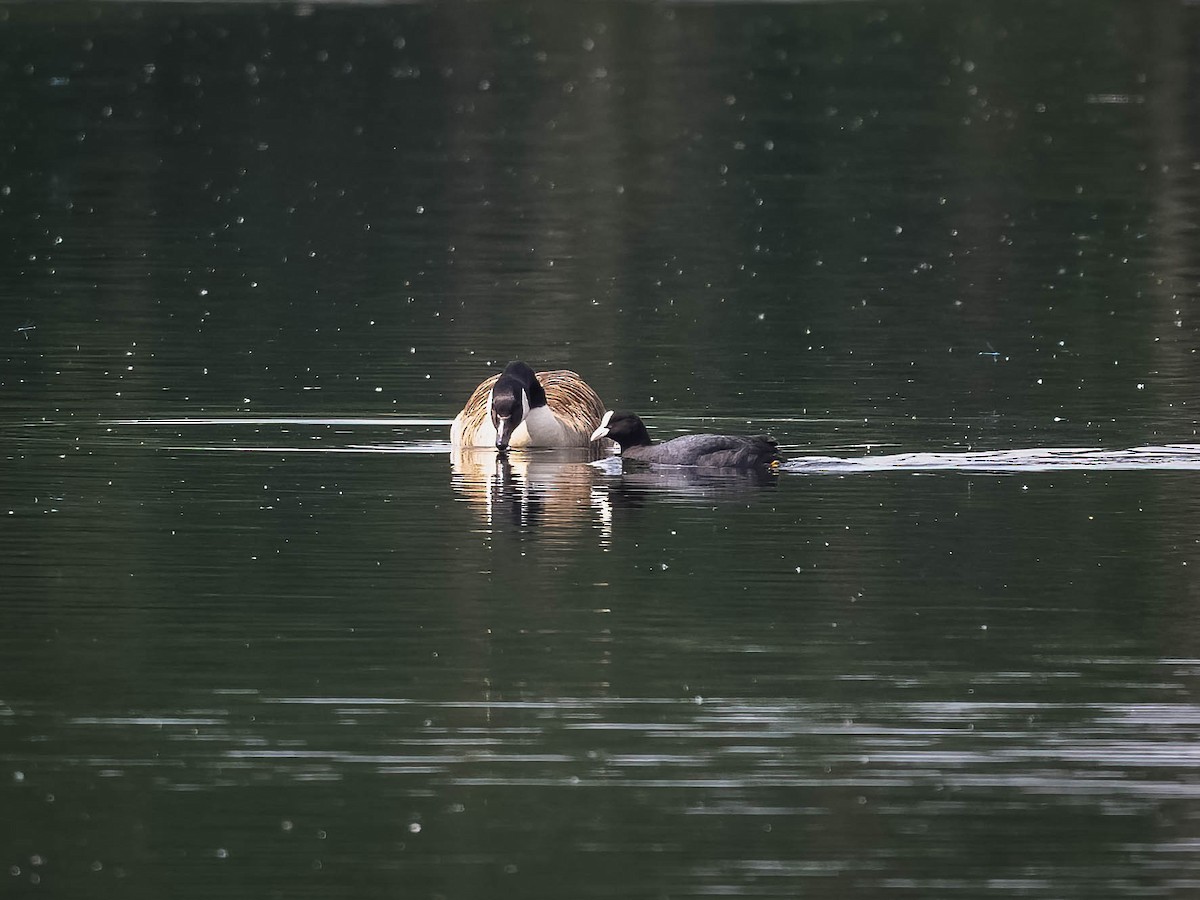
(717, 451)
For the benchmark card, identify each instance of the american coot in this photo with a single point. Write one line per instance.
(520, 409)
(718, 451)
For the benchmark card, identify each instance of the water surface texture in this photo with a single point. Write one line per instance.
(263, 635)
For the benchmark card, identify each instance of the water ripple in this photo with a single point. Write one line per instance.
(1170, 456)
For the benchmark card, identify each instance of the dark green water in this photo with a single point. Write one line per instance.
(261, 636)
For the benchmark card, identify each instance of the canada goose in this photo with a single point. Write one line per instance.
(718, 451)
(520, 409)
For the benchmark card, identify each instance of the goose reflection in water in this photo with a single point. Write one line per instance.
(555, 491)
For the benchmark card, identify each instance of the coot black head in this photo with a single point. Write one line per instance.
(624, 428)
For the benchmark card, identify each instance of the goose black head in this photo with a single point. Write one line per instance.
(515, 392)
(624, 428)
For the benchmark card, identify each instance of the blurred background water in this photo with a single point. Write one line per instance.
(262, 636)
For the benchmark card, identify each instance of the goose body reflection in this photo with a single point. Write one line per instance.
(714, 451)
(520, 408)
(555, 492)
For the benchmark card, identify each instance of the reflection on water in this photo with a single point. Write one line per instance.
(540, 489)
(698, 742)
(716, 789)
(682, 483)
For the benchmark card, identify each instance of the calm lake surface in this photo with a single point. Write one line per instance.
(262, 635)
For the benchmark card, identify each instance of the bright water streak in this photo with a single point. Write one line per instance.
(1172, 456)
(1181, 456)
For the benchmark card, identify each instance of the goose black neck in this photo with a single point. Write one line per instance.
(519, 375)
